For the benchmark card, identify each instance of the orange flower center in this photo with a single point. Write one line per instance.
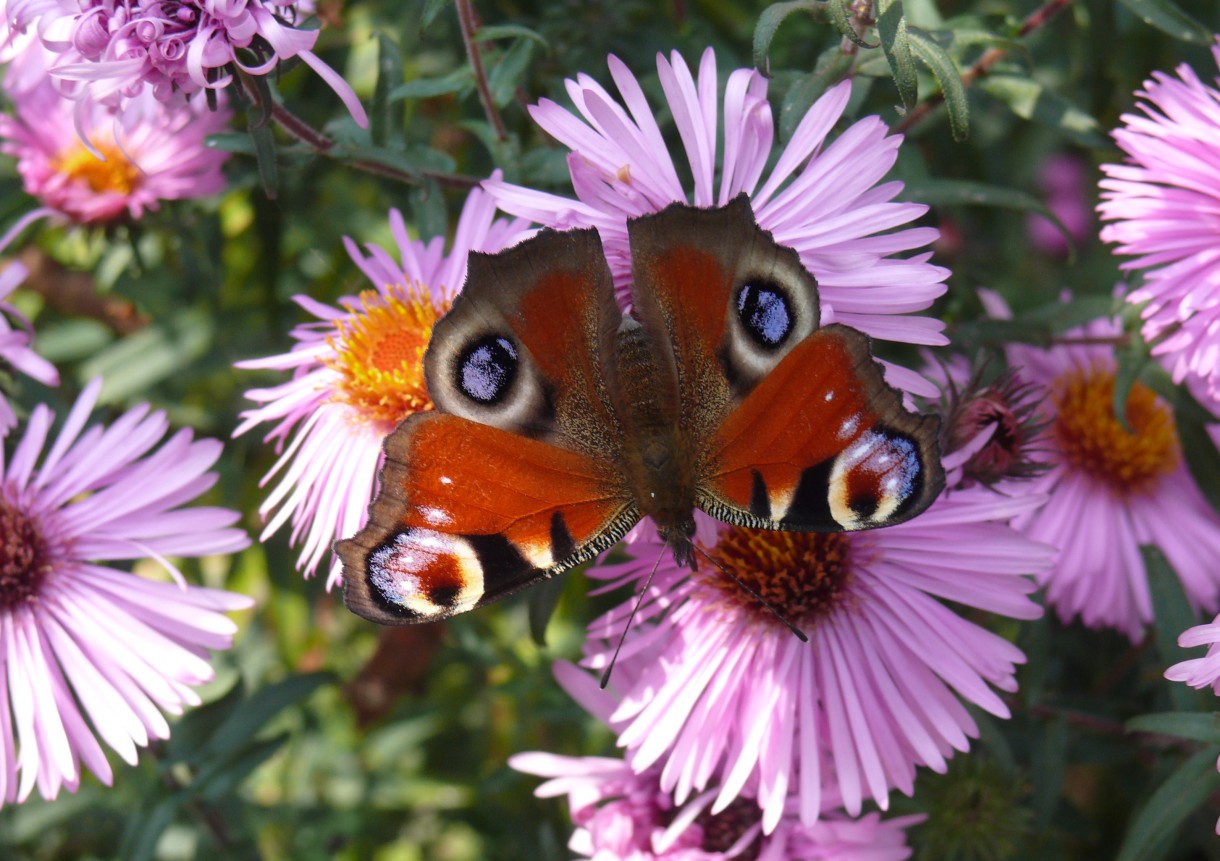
(24, 557)
(1129, 459)
(379, 352)
(800, 575)
(117, 173)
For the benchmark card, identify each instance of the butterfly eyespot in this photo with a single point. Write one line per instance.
(765, 312)
(487, 369)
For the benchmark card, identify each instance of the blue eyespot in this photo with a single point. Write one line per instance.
(765, 313)
(487, 368)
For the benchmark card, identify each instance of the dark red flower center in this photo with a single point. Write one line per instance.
(802, 576)
(722, 830)
(24, 557)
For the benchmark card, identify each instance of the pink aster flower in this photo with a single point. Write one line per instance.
(624, 816)
(1164, 205)
(1065, 190)
(111, 51)
(822, 196)
(134, 160)
(1111, 489)
(358, 372)
(716, 692)
(1199, 672)
(15, 350)
(90, 653)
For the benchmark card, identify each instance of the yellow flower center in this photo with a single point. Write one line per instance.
(379, 352)
(117, 173)
(1094, 441)
(802, 576)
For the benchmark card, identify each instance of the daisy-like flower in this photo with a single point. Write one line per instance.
(718, 692)
(821, 198)
(357, 373)
(132, 161)
(624, 816)
(113, 50)
(1199, 672)
(1164, 205)
(15, 349)
(1112, 488)
(90, 653)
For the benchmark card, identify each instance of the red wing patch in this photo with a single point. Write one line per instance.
(469, 513)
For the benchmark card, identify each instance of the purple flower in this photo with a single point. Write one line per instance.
(113, 50)
(1199, 672)
(622, 814)
(1112, 488)
(358, 372)
(90, 653)
(94, 166)
(1064, 186)
(1164, 205)
(15, 349)
(822, 196)
(717, 692)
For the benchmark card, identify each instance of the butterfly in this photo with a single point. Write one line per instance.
(560, 421)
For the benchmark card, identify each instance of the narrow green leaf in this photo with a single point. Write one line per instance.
(1172, 615)
(130, 366)
(145, 827)
(221, 777)
(1156, 822)
(386, 118)
(768, 24)
(511, 31)
(507, 74)
(543, 600)
(425, 88)
(1132, 359)
(1193, 726)
(892, 28)
(190, 737)
(402, 162)
(943, 69)
(1049, 768)
(432, 8)
(843, 20)
(1031, 101)
(241, 725)
(1202, 458)
(429, 209)
(961, 192)
(831, 67)
(1169, 18)
(264, 151)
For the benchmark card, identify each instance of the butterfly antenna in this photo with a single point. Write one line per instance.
(638, 601)
(800, 635)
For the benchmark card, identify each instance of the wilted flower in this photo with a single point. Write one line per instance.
(88, 652)
(357, 373)
(821, 198)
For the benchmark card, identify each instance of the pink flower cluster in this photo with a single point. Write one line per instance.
(110, 51)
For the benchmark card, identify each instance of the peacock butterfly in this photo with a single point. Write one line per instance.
(560, 421)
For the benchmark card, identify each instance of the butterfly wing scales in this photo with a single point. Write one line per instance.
(469, 513)
(822, 444)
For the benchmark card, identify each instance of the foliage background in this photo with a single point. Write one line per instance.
(324, 737)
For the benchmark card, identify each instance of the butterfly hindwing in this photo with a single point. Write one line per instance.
(469, 513)
(822, 444)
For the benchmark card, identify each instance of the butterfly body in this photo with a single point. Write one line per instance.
(561, 421)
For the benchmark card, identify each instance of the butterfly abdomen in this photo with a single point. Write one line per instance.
(661, 477)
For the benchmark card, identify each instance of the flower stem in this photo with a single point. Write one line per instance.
(1036, 19)
(469, 24)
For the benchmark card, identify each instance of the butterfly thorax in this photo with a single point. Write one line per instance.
(661, 479)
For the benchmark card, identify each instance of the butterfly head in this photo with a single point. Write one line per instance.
(677, 536)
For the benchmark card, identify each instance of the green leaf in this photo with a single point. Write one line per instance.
(831, 67)
(1193, 726)
(543, 600)
(507, 74)
(425, 88)
(511, 31)
(1169, 18)
(962, 192)
(768, 24)
(219, 778)
(189, 739)
(430, 210)
(844, 21)
(1031, 101)
(1156, 822)
(242, 724)
(432, 8)
(1048, 771)
(892, 28)
(1202, 457)
(130, 366)
(264, 151)
(1132, 359)
(943, 69)
(145, 827)
(385, 118)
(1172, 615)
